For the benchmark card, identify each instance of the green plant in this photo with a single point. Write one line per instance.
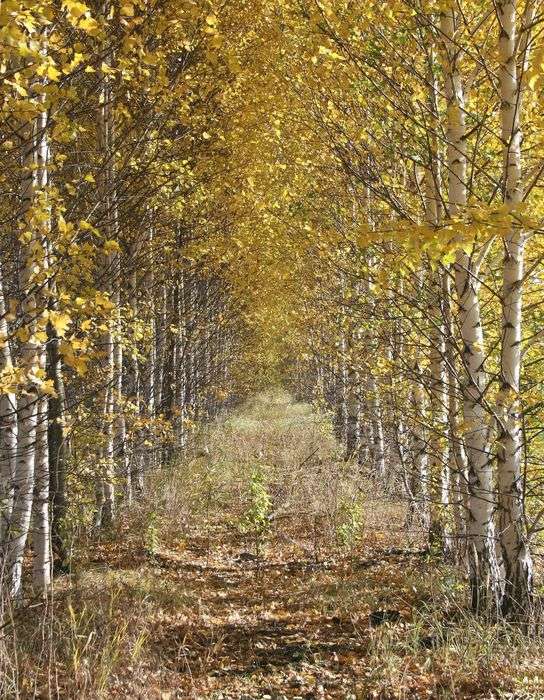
(152, 534)
(350, 523)
(255, 520)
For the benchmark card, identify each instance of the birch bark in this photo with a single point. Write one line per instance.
(105, 489)
(483, 567)
(516, 557)
(31, 351)
(41, 536)
(8, 427)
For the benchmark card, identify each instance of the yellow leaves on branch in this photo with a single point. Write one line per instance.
(111, 247)
(106, 69)
(329, 53)
(79, 15)
(75, 9)
(211, 24)
(60, 322)
(15, 380)
(127, 10)
(535, 74)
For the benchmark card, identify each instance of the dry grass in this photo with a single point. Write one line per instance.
(178, 605)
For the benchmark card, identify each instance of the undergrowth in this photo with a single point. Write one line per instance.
(262, 568)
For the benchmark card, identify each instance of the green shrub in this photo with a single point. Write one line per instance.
(350, 524)
(152, 534)
(255, 520)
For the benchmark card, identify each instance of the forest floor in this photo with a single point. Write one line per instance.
(266, 571)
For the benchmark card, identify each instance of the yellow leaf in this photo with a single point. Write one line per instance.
(80, 365)
(111, 247)
(23, 334)
(107, 70)
(53, 73)
(90, 25)
(324, 51)
(40, 337)
(75, 8)
(47, 387)
(60, 321)
(19, 88)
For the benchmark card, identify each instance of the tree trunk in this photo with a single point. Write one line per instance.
(31, 351)
(41, 534)
(8, 428)
(105, 489)
(516, 557)
(483, 568)
(57, 454)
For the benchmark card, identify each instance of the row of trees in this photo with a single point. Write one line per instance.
(391, 169)
(114, 343)
(199, 198)
(420, 338)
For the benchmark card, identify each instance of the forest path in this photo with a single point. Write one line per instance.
(309, 613)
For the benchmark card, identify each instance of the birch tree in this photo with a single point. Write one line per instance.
(516, 557)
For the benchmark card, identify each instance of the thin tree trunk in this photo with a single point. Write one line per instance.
(105, 489)
(457, 463)
(439, 536)
(57, 454)
(41, 534)
(514, 544)
(41, 537)
(31, 351)
(8, 427)
(483, 568)
(378, 444)
(353, 406)
(420, 458)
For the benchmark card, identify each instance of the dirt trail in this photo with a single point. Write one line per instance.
(282, 627)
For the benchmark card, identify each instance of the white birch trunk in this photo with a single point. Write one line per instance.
(483, 568)
(439, 534)
(514, 545)
(457, 463)
(105, 489)
(41, 536)
(8, 428)
(160, 347)
(341, 392)
(133, 456)
(31, 351)
(121, 451)
(420, 458)
(377, 449)
(353, 406)
(439, 537)
(182, 345)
